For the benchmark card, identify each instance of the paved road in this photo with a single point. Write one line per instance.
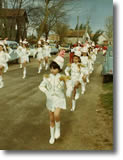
(24, 121)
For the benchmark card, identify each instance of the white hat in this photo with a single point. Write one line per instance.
(20, 41)
(79, 42)
(85, 49)
(60, 59)
(1, 44)
(77, 53)
(47, 41)
(39, 42)
(25, 42)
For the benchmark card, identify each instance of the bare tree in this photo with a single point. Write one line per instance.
(109, 28)
(61, 29)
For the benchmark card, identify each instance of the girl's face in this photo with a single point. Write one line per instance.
(1, 48)
(39, 45)
(75, 59)
(54, 71)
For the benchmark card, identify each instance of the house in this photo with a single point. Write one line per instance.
(13, 23)
(102, 39)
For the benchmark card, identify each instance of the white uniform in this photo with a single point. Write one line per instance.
(3, 59)
(24, 55)
(76, 74)
(46, 51)
(40, 53)
(53, 87)
(19, 50)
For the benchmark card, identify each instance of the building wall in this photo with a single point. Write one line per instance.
(72, 40)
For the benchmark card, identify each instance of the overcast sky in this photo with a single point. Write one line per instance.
(98, 10)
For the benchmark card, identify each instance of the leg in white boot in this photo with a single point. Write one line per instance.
(24, 73)
(77, 94)
(83, 88)
(57, 130)
(46, 67)
(52, 138)
(20, 65)
(40, 68)
(1, 82)
(73, 105)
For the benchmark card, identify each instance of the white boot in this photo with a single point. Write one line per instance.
(77, 95)
(6, 68)
(73, 105)
(1, 82)
(87, 79)
(20, 65)
(52, 139)
(44, 63)
(40, 68)
(83, 89)
(46, 67)
(24, 73)
(57, 130)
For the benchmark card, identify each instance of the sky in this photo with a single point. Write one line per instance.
(97, 10)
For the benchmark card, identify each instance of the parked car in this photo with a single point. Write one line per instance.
(54, 49)
(107, 71)
(13, 56)
(66, 47)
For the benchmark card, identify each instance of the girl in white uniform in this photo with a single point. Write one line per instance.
(46, 52)
(24, 57)
(19, 51)
(40, 56)
(7, 53)
(2, 63)
(85, 62)
(53, 87)
(76, 77)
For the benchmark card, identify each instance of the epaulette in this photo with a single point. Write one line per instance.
(89, 57)
(46, 76)
(69, 65)
(62, 78)
(81, 65)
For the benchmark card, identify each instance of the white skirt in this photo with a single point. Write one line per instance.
(39, 56)
(54, 102)
(24, 59)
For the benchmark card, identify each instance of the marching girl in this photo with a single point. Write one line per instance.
(2, 63)
(7, 57)
(76, 77)
(53, 87)
(85, 62)
(19, 51)
(24, 57)
(78, 47)
(40, 56)
(46, 50)
(71, 54)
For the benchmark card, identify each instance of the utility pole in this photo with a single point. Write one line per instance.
(78, 28)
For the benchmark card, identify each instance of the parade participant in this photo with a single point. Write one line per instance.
(40, 56)
(19, 51)
(78, 47)
(76, 77)
(7, 57)
(71, 53)
(2, 63)
(24, 57)
(85, 62)
(53, 86)
(46, 52)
